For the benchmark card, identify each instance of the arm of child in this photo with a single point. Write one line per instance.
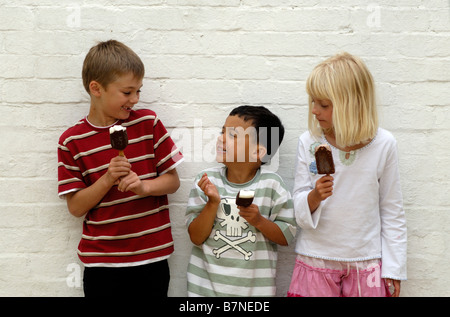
(396, 285)
(323, 190)
(307, 200)
(168, 183)
(80, 202)
(200, 228)
(268, 228)
(393, 222)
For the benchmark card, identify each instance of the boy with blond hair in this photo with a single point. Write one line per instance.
(126, 236)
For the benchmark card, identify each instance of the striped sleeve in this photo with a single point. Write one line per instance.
(278, 206)
(282, 214)
(167, 154)
(70, 176)
(196, 202)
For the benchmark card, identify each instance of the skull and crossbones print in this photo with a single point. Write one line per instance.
(228, 215)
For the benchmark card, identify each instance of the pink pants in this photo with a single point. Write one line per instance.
(344, 279)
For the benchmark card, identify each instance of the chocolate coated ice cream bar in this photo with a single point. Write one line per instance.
(119, 138)
(245, 198)
(324, 159)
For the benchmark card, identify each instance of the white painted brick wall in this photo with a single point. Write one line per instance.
(202, 59)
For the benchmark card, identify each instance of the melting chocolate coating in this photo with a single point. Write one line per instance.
(324, 160)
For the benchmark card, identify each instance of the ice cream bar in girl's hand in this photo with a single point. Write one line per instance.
(324, 159)
(119, 138)
(245, 198)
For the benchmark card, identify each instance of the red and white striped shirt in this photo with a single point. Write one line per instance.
(124, 229)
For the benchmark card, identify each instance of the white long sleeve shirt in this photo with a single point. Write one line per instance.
(364, 218)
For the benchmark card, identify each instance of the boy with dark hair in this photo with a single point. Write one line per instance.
(268, 127)
(127, 235)
(235, 248)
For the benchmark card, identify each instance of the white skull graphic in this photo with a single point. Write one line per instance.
(229, 214)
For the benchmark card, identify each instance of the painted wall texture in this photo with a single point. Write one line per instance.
(202, 59)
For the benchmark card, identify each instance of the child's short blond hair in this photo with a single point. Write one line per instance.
(345, 81)
(106, 61)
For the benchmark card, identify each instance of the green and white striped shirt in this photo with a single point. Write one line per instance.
(237, 259)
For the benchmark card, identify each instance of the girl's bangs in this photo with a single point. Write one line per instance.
(317, 85)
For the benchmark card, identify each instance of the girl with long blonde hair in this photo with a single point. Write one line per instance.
(352, 240)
